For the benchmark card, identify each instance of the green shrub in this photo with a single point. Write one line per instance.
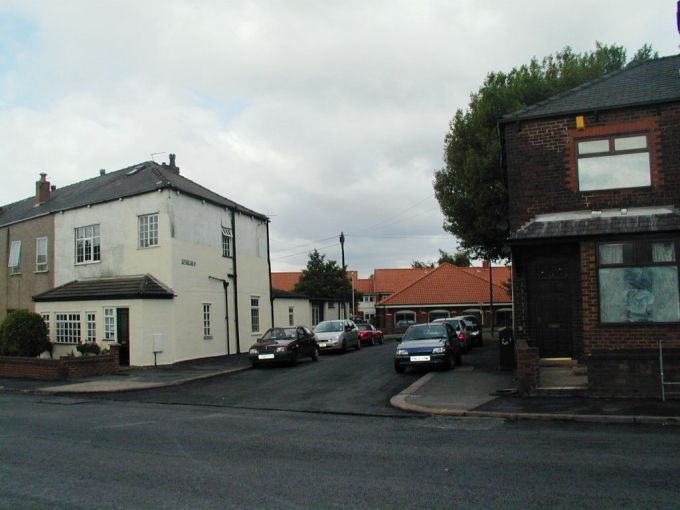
(23, 333)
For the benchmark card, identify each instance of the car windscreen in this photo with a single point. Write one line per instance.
(364, 327)
(471, 324)
(280, 334)
(424, 332)
(328, 327)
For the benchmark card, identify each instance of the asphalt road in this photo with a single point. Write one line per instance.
(357, 382)
(64, 453)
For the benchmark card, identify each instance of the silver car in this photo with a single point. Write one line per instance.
(337, 335)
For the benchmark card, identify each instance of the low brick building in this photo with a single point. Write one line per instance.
(594, 184)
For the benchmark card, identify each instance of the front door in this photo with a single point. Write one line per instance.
(550, 295)
(123, 334)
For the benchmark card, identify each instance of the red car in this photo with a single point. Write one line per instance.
(369, 335)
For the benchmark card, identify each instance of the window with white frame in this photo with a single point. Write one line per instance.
(41, 254)
(613, 162)
(291, 316)
(638, 281)
(227, 237)
(206, 321)
(68, 328)
(437, 314)
(46, 317)
(148, 230)
(110, 324)
(14, 262)
(255, 314)
(91, 326)
(88, 247)
(404, 318)
(367, 298)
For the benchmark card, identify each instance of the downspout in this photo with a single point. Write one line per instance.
(225, 285)
(233, 240)
(269, 263)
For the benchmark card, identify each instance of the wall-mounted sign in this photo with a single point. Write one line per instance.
(187, 262)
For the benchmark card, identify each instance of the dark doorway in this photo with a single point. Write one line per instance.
(550, 294)
(123, 334)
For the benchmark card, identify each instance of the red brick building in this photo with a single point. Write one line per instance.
(594, 185)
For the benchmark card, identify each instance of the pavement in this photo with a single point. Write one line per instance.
(476, 388)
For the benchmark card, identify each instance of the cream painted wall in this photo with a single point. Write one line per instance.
(147, 317)
(302, 312)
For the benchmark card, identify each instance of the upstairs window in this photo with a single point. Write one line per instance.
(613, 162)
(148, 230)
(88, 244)
(14, 263)
(227, 237)
(41, 254)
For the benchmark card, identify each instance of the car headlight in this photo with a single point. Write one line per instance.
(253, 351)
(438, 350)
(402, 352)
(281, 349)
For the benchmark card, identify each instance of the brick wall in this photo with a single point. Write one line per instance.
(59, 369)
(527, 372)
(541, 162)
(631, 372)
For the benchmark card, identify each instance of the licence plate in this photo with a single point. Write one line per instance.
(323, 345)
(265, 356)
(420, 358)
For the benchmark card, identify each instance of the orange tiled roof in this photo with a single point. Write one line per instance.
(501, 274)
(392, 280)
(285, 281)
(364, 285)
(448, 285)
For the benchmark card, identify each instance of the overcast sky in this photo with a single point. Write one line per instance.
(326, 116)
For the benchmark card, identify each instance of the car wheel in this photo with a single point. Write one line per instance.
(293, 359)
(448, 364)
(358, 344)
(399, 369)
(344, 346)
(458, 359)
(381, 341)
(315, 354)
(372, 340)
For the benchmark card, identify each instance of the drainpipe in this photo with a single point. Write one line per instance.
(225, 285)
(269, 263)
(233, 240)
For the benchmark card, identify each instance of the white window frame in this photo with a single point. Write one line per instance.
(403, 312)
(41, 255)
(110, 324)
(316, 314)
(46, 318)
(227, 236)
(207, 333)
(147, 230)
(291, 316)
(88, 244)
(68, 329)
(438, 313)
(14, 262)
(91, 326)
(255, 314)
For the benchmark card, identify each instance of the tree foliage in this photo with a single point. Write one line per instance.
(461, 259)
(23, 333)
(471, 188)
(324, 279)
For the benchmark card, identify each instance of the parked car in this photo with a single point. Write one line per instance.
(287, 344)
(337, 335)
(368, 334)
(473, 328)
(433, 344)
(405, 323)
(460, 328)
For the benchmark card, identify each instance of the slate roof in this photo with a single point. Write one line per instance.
(134, 180)
(120, 287)
(598, 225)
(650, 82)
(448, 285)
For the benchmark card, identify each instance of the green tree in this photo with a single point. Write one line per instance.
(419, 264)
(461, 258)
(23, 333)
(471, 188)
(324, 279)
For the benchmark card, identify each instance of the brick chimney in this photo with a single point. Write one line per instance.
(42, 189)
(172, 166)
(485, 264)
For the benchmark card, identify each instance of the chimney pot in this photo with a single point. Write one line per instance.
(102, 171)
(42, 189)
(53, 187)
(43, 176)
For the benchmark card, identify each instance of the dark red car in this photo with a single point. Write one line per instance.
(368, 334)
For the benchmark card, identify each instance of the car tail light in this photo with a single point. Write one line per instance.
(461, 335)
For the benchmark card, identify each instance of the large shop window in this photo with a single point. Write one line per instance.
(613, 162)
(639, 281)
